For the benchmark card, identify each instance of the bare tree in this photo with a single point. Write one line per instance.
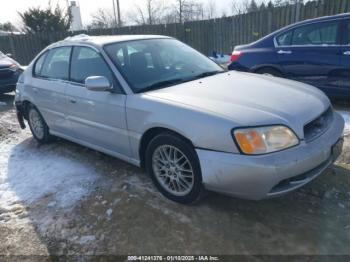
(211, 9)
(287, 2)
(188, 10)
(239, 7)
(180, 6)
(137, 16)
(150, 13)
(8, 26)
(102, 18)
(193, 11)
(155, 11)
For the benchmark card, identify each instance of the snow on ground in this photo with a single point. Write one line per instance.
(346, 116)
(28, 174)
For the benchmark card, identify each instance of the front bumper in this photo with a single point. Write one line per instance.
(264, 176)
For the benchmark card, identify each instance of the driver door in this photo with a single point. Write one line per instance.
(97, 119)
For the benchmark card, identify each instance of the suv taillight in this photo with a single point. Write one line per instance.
(236, 55)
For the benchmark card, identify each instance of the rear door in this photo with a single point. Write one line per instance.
(48, 85)
(311, 53)
(96, 118)
(344, 79)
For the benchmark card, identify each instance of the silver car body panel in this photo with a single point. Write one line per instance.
(253, 177)
(204, 111)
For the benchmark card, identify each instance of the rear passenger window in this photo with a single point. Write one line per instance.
(285, 39)
(39, 65)
(56, 64)
(87, 62)
(316, 34)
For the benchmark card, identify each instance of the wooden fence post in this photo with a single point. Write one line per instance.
(297, 11)
(12, 46)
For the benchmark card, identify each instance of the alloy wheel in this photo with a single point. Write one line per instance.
(36, 124)
(173, 170)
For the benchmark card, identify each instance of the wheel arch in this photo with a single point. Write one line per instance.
(152, 133)
(25, 105)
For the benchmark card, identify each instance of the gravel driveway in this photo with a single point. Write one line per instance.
(62, 198)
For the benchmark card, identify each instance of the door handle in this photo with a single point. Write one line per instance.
(346, 53)
(284, 52)
(73, 101)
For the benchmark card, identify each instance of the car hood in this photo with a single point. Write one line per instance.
(250, 99)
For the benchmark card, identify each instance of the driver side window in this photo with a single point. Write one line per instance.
(87, 62)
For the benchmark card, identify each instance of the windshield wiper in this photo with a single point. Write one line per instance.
(162, 84)
(175, 81)
(210, 73)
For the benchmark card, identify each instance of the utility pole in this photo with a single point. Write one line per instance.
(115, 15)
(297, 12)
(119, 18)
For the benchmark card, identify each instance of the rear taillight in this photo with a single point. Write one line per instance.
(236, 55)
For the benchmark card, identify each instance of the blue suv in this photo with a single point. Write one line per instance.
(315, 52)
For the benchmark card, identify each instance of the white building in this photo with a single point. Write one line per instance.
(77, 24)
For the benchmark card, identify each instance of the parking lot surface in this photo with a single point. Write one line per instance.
(63, 198)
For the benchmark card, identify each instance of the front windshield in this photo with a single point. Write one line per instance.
(158, 63)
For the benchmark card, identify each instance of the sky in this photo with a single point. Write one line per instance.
(9, 11)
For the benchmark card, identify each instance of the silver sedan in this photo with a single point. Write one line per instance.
(159, 104)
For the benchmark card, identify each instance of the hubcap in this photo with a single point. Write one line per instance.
(36, 124)
(173, 170)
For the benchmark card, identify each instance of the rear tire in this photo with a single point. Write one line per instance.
(173, 165)
(37, 125)
(269, 71)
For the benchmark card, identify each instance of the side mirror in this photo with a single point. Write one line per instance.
(9, 55)
(98, 84)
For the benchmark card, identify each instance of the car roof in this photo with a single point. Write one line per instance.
(105, 39)
(314, 20)
(301, 23)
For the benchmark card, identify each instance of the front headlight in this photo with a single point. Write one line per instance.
(263, 140)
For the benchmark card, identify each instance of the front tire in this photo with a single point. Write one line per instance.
(173, 165)
(38, 126)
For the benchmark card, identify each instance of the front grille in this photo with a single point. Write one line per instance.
(318, 126)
